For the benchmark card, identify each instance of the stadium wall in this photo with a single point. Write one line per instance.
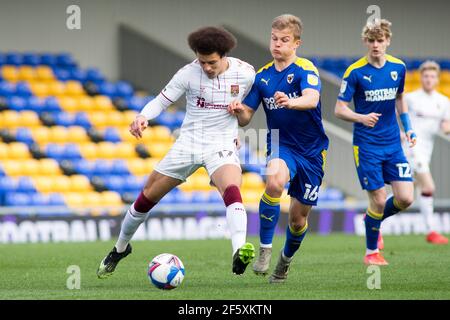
(331, 27)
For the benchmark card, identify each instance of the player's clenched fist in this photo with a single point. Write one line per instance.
(138, 126)
(281, 99)
(235, 107)
(371, 119)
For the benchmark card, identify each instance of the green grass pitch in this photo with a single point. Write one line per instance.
(327, 267)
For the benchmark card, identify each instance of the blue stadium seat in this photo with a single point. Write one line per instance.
(48, 59)
(8, 184)
(16, 103)
(62, 74)
(124, 89)
(78, 75)
(167, 119)
(103, 167)
(2, 59)
(35, 104)
(31, 59)
(25, 184)
(111, 134)
(116, 183)
(182, 197)
(120, 167)
(23, 89)
(85, 167)
(65, 60)
(107, 89)
(55, 151)
(132, 183)
(17, 199)
(24, 135)
(7, 89)
(64, 119)
(82, 120)
(215, 197)
(94, 75)
(71, 151)
(14, 58)
(56, 199)
(199, 197)
(51, 105)
(38, 199)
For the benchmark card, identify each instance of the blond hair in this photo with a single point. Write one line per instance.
(289, 21)
(429, 65)
(377, 29)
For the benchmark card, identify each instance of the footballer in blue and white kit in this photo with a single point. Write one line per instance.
(289, 90)
(375, 83)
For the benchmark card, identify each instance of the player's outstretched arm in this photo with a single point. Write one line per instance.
(343, 111)
(243, 112)
(402, 110)
(150, 111)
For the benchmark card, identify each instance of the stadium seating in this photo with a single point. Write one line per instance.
(64, 140)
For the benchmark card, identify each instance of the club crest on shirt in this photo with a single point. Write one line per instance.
(394, 75)
(290, 78)
(234, 90)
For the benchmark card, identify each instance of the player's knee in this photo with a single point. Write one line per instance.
(379, 201)
(274, 187)
(297, 225)
(405, 200)
(428, 191)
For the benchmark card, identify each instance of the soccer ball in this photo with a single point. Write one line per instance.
(166, 271)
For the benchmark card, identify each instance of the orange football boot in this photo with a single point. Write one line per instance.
(376, 259)
(436, 238)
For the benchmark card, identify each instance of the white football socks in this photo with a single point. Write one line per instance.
(130, 224)
(427, 211)
(237, 224)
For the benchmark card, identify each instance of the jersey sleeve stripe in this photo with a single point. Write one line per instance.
(267, 66)
(356, 65)
(306, 65)
(394, 60)
(166, 97)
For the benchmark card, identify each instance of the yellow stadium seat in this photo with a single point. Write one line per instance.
(97, 119)
(445, 77)
(39, 89)
(129, 116)
(162, 134)
(74, 199)
(11, 119)
(44, 73)
(26, 73)
(137, 166)
(103, 103)
(85, 103)
(43, 184)
(10, 73)
(89, 151)
(150, 164)
(251, 180)
(92, 198)
(12, 168)
(110, 198)
(80, 183)
(74, 88)
(446, 91)
(49, 167)
(107, 150)
(59, 134)
(125, 151)
(126, 136)
(158, 150)
(18, 150)
(41, 135)
(30, 167)
(61, 183)
(67, 103)
(251, 197)
(114, 119)
(201, 182)
(56, 88)
(3, 151)
(77, 134)
(29, 119)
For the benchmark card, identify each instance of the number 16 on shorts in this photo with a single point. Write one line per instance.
(311, 193)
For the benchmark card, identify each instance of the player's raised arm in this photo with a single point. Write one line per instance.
(402, 110)
(243, 112)
(171, 93)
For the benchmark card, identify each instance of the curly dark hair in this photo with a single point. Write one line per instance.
(208, 40)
